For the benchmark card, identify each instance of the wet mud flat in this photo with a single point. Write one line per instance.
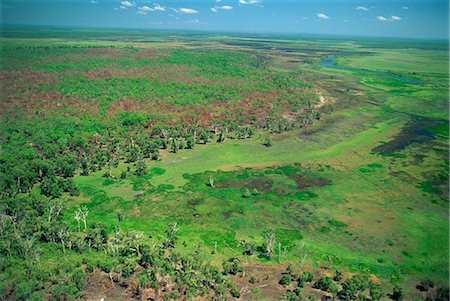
(416, 131)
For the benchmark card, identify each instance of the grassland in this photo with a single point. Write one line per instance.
(363, 190)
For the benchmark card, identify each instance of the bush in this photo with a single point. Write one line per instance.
(25, 289)
(105, 265)
(36, 296)
(231, 266)
(246, 193)
(308, 276)
(326, 284)
(78, 276)
(338, 276)
(63, 291)
(235, 293)
(397, 293)
(285, 279)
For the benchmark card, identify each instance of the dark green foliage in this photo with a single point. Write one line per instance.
(78, 278)
(397, 293)
(246, 192)
(326, 284)
(235, 293)
(231, 266)
(25, 289)
(249, 248)
(285, 279)
(337, 276)
(64, 291)
(141, 168)
(337, 223)
(375, 291)
(307, 276)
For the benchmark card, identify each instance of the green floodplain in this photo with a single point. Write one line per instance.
(243, 150)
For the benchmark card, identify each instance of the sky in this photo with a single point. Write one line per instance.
(380, 18)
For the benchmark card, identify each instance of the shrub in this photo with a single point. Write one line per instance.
(326, 284)
(235, 293)
(78, 276)
(253, 279)
(25, 289)
(246, 193)
(397, 293)
(285, 279)
(338, 276)
(231, 266)
(308, 276)
(62, 291)
(36, 296)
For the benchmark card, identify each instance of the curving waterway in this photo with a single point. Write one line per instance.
(329, 63)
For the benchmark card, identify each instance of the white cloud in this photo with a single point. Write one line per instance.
(127, 3)
(195, 21)
(249, 2)
(144, 9)
(391, 19)
(94, 2)
(159, 7)
(405, 7)
(218, 1)
(362, 8)
(141, 12)
(185, 10)
(123, 7)
(223, 7)
(322, 16)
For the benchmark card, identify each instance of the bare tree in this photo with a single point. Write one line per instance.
(78, 218)
(54, 210)
(84, 211)
(269, 244)
(63, 236)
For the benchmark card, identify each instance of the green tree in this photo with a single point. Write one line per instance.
(141, 168)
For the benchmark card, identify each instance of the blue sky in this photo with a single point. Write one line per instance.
(390, 18)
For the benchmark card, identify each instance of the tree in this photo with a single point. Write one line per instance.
(51, 187)
(267, 142)
(78, 219)
(269, 244)
(190, 142)
(285, 279)
(171, 235)
(326, 284)
(397, 293)
(174, 146)
(222, 136)
(375, 291)
(246, 193)
(204, 137)
(211, 182)
(141, 169)
(119, 218)
(83, 212)
(249, 248)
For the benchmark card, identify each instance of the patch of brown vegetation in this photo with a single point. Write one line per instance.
(100, 50)
(304, 181)
(260, 183)
(146, 53)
